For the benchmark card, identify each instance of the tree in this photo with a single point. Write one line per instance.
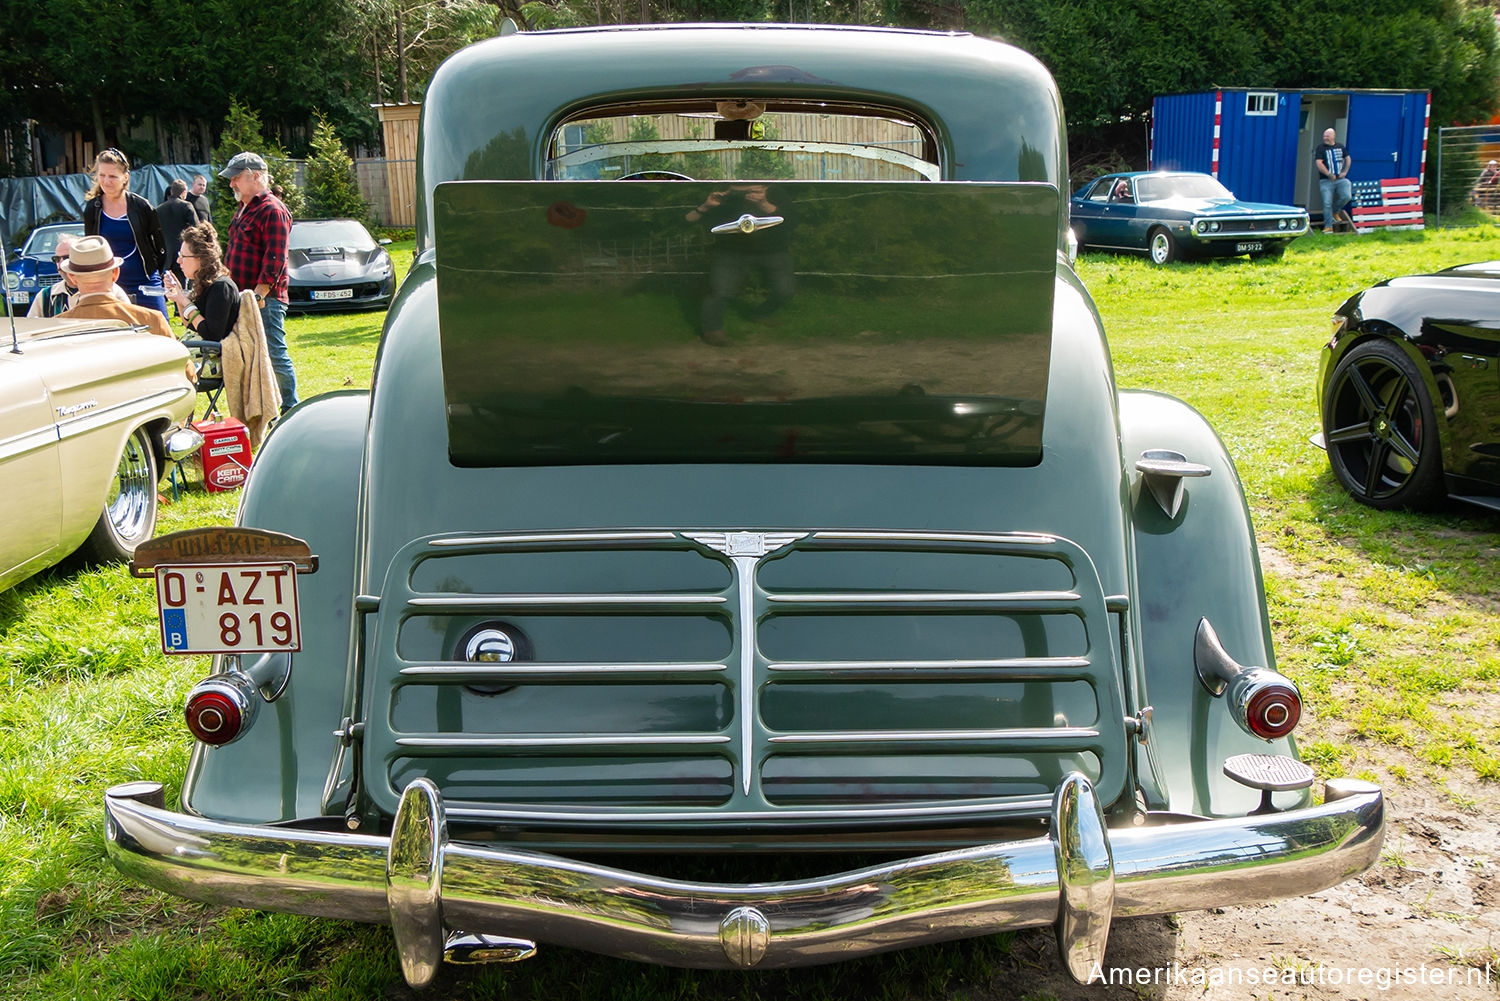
(243, 132)
(331, 188)
(1111, 57)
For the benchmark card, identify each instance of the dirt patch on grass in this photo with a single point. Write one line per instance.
(1408, 928)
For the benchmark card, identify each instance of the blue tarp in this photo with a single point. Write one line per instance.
(26, 202)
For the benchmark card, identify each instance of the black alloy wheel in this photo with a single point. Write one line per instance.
(1380, 429)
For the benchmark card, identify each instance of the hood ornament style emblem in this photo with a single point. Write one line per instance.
(748, 223)
(754, 544)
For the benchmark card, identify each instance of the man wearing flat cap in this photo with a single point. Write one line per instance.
(93, 267)
(256, 258)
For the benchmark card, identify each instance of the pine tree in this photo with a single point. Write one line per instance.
(332, 189)
(242, 132)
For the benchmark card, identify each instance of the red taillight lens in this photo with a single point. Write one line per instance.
(1274, 711)
(213, 717)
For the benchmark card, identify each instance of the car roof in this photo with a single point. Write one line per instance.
(533, 81)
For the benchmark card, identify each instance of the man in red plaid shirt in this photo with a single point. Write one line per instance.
(256, 258)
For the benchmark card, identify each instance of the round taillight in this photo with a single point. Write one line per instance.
(213, 717)
(1274, 711)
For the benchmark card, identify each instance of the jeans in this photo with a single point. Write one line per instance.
(1336, 194)
(273, 315)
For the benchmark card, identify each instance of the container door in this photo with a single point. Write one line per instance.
(1374, 139)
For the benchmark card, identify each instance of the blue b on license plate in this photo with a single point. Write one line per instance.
(228, 608)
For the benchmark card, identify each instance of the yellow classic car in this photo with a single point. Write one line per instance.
(89, 411)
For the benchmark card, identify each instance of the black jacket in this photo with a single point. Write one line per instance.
(143, 224)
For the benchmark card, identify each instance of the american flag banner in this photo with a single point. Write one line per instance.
(1395, 203)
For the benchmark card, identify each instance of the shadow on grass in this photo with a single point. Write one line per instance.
(1455, 543)
(1015, 966)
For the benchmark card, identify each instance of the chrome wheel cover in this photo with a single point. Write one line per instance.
(129, 504)
(1161, 248)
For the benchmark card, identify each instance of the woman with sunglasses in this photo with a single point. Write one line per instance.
(210, 307)
(129, 223)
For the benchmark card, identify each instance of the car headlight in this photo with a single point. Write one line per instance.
(1202, 226)
(12, 280)
(1282, 224)
(1213, 227)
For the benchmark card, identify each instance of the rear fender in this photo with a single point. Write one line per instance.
(305, 482)
(1200, 563)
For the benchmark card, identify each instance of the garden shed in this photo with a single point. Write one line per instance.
(1259, 144)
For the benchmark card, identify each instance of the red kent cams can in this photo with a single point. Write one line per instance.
(225, 454)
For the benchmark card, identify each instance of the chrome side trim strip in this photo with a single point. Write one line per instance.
(876, 599)
(461, 672)
(966, 538)
(1058, 735)
(749, 695)
(92, 420)
(31, 441)
(565, 539)
(907, 814)
(486, 601)
(462, 742)
(1013, 669)
(489, 889)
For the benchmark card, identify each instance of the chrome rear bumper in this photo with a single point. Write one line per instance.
(425, 886)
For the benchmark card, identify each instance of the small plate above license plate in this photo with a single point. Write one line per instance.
(333, 293)
(1249, 248)
(228, 608)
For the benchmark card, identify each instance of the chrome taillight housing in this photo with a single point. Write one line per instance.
(221, 707)
(1264, 703)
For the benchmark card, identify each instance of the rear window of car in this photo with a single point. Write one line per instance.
(743, 140)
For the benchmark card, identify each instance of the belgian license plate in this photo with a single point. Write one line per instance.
(1249, 248)
(20, 298)
(228, 608)
(333, 293)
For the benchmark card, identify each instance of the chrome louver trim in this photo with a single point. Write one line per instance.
(747, 743)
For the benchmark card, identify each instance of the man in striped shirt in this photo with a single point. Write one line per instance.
(256, 258)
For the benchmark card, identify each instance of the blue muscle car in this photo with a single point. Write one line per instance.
(1171, 215)
(30, 270)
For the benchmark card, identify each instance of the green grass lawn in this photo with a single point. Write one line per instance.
(1388, 621)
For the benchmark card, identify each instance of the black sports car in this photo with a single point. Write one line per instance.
(335, 264)
(1409, 390)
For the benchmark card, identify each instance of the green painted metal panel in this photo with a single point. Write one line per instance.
(910, 322)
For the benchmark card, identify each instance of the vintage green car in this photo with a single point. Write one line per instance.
(744, 474)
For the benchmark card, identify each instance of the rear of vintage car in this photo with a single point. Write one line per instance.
(786, 514)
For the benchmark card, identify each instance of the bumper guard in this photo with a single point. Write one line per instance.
(452, 899)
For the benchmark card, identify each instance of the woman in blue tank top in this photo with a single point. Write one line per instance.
(130, 225)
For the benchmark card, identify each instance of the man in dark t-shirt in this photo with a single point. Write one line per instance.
(1332, 162)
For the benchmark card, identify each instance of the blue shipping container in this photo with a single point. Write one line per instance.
(1259, 144)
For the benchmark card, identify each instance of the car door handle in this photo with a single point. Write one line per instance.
(748, 223)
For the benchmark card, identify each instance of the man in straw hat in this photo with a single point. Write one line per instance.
(93, 267)
(60, 296)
